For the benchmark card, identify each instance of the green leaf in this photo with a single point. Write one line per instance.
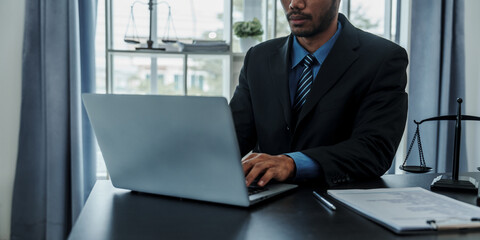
(246, 29)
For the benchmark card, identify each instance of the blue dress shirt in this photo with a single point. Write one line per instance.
(307, 168)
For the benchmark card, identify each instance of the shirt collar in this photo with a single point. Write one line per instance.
(298, 52)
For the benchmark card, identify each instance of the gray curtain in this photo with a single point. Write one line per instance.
(437, 79)
(56, 165)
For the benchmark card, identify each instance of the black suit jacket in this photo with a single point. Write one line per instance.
(353, 118)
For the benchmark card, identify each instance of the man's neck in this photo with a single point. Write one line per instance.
(312, 43)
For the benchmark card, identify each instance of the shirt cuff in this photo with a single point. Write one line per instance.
(306, 168)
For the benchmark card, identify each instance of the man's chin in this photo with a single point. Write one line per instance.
(303, 33)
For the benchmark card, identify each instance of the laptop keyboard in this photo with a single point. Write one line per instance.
(255, 189)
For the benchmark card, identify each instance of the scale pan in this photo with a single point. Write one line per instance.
(131, 41)
(415, 169)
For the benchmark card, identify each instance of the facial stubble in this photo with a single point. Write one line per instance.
(325, 21)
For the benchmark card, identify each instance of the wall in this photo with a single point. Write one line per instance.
(472, 96)
(11, 30)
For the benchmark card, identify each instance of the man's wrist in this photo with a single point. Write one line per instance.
(291, 163)
(305, 168)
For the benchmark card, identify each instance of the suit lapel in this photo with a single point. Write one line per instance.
(337, 62)
(278, 70)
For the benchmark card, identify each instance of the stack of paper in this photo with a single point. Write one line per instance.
(407, 210)
(202, 46)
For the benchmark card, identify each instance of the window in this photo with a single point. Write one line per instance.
(181, 20)
(376, 16)
(121, 69)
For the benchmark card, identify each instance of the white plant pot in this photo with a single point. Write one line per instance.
(247, 43)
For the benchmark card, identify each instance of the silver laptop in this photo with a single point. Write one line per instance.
(178, 146)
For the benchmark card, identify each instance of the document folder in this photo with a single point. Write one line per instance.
(410, 210)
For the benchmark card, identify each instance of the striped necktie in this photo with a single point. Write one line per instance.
(304, 84)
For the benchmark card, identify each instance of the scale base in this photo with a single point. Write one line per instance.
(463, 184)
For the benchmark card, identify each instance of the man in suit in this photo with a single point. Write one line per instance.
(326, 104)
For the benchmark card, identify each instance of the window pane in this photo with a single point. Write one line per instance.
(368, 15)
(283, 29)
(134, 75)
(237, 15)
(196, 19)
(393, 31)
(206, 75)
(270, 18)
(342, 8)
(189, 20)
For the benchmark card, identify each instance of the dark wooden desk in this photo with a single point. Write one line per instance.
(112, 213)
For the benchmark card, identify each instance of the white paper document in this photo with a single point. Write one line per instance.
(405, 210)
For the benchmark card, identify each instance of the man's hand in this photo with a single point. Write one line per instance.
(279, 167)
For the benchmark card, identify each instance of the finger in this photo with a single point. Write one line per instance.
(255, 171)
(250, 156)
(247, 166)
(269, 174)
(249, 162)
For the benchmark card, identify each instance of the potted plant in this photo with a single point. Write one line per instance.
(249, 33)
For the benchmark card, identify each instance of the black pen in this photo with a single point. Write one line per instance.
(324, 201)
